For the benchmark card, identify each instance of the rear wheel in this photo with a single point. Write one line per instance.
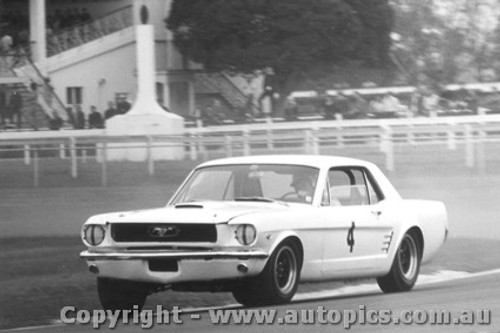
(277, 283)
(115, 294)
(405, 267)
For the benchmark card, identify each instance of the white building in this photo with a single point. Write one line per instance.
(94, 63)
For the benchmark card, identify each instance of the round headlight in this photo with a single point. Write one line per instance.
(93, 234)
(246, 234)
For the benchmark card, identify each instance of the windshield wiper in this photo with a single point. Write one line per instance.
(259, 199)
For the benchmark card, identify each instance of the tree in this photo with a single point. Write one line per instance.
(447, 40)
(298, 39)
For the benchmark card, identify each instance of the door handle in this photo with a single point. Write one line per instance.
(377, 212)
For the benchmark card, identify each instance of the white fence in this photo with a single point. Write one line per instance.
(469, 134)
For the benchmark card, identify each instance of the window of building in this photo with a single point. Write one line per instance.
(74, 95)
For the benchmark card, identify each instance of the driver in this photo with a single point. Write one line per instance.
(304, 187)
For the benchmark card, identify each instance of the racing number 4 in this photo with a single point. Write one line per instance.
(350, 237)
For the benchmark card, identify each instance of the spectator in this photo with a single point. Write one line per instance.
(123, 106)
(359, 107)
(32, 106)
(430, 103)
(472, 102)
(95, 118)
(392, 105)
(71, 116)
(66, 19)
(291, 109)
(85, 15)
(329, 107)
(342, 103)
(57, 21)
(6, 43)
(197, 113)
(212, 114)
(111, 111)
(269, 89)
(15, 107)
(376, 105)
(55, 122)
(218, 110)
(416, 103)
(79, 118)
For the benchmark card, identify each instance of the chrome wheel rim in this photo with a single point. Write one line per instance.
(285, 270)
(408, 258)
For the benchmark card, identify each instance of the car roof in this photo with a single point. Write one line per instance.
(318, 161)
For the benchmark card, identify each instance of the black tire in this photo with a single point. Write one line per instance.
(405, 267)
(277, 283)
(115, 294)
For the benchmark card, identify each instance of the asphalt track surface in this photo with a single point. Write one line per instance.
(455, 293)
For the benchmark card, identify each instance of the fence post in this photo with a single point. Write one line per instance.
(84, 154)
(411, 135)
(340, 137)
(98, 152)
(27, 155)
(469, 146)
(229, 146)
(35, 169)
(151, 163)
(269, 141)
(246, 144)
(451, 137)
(388, 148)
(193, 148)
(74, 166)
(307, 142)
(481, 156)
(62, 153)
(104, 169)
(315, 141)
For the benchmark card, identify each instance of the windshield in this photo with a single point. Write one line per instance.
(250, 182)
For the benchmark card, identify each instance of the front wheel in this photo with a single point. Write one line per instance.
(115, 294)
(277, 283)
(405, 267)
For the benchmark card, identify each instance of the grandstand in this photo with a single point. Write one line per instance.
(83, 53)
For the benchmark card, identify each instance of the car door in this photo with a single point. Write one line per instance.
(356, 241)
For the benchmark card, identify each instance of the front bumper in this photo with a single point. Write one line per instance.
(174, 255)
(191, 265)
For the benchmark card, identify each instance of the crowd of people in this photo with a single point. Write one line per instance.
(95, 119)
(15, 26)
(70, 17)
(423, 102)
(21, 109)
(352, 105)
(14, 31)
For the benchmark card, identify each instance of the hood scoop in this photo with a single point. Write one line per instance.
(188, 205)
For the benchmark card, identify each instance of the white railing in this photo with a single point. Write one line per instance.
(89, 31)
(467, 135)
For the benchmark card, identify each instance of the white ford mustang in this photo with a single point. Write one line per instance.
(257, 226)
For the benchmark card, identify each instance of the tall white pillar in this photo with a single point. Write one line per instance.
(146, 118)
(38, 31)
(146, 72)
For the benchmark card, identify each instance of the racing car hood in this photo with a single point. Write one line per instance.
(199, 212)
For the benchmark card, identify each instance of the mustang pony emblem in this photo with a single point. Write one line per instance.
(163, 231)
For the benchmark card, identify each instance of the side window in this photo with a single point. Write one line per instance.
(348, 187)
(374, 192)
